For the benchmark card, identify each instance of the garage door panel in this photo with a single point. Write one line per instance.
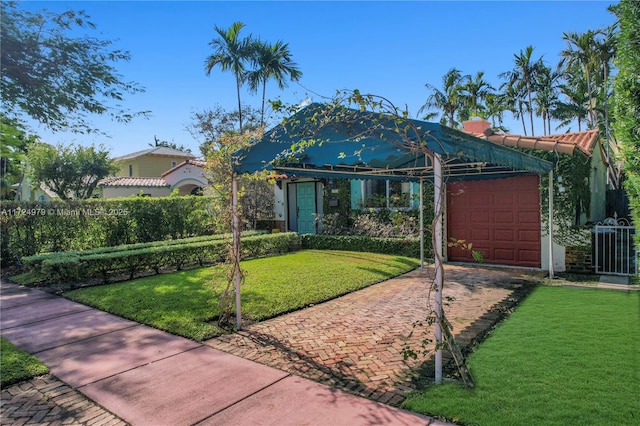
(503, 235)
(478, 235)
(529, 236)
(528, 255)
(504, 199)
(500, 217)
(529, 217)
(503, 217)
(480, 217)
(504, 255)
(479, 200)
(529, 199)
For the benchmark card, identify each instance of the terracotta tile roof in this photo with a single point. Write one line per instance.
(124, 181)
(565, 143)
(197, 163)
(156, 151)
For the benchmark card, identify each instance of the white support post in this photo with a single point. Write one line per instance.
(236, 248)
(551, 225)
(437, 255)
(421, 223)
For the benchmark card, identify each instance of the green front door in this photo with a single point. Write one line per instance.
(306, 197)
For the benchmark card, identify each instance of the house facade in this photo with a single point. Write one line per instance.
(501, 217)
(155, 172)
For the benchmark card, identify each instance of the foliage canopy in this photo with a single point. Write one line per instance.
(56, 77)
(70, 171)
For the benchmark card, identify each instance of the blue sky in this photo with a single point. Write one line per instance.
(386, 48)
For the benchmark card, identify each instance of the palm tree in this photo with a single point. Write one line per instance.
(271, 62)
(514, 100)
(546, 97)
(231, 53)
(581, 53)
(496, 106)
(478, 89)
(575, 104)
(605, 51)
(524, 75)
(450, 99)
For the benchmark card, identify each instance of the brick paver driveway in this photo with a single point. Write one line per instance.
(355, 342)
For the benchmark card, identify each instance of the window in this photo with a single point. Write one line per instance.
(173, 164)
(130, 170)
(386, 194)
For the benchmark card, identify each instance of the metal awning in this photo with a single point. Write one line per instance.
(320, 140)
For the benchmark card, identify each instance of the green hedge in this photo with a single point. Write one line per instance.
(34, 263)
(409, 247)
(72, 268)
(28, 228)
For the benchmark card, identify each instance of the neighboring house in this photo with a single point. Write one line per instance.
(155, 172)
(152, 162)
(24, 192)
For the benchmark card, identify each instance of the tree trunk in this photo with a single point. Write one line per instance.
(239, 105)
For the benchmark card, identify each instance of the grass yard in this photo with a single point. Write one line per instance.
(566, 356)
(186, 302)
(17, 365)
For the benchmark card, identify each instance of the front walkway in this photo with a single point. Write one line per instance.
(142, 376)
(355, 342)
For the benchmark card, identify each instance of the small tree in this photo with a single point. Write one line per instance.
(69, 171)
(211, 124)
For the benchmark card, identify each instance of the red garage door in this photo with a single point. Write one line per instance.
(500, 217)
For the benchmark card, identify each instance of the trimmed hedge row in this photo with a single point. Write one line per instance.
(409, 247)
(32, 227)
(132, 263)
(34, 263)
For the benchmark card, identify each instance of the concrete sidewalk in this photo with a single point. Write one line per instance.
(149, 377)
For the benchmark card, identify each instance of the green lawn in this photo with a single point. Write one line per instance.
(186, 303)
(17, 365)
(566, 356)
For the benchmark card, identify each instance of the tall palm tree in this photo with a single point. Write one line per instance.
(514, 99)
(525, 74)
(496, 106)
(449, 99)
(231, 52)
(477, 89)
(581, 53)
(574, 107)
(272, 61)
(605, 51)
(546, 96)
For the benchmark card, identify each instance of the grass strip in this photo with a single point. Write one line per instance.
(186, 302)
(17, 365)
(566, 356)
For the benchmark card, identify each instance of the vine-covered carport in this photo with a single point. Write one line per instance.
(329, 141)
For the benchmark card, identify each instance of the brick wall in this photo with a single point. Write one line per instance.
(578, 260)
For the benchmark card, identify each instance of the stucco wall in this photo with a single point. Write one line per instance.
(149, 165)
(598, 183)
(188, 173)
(119, 192)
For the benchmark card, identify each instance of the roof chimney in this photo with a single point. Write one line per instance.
(478, 126)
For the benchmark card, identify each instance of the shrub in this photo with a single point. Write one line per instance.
(34, 263)
(75, 267)
(409, 247)
(28, 228)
